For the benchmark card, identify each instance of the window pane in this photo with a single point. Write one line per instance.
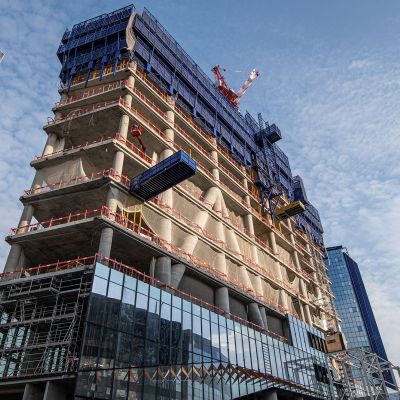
(116, 277)
(128, 296)
(99, 285)
(130, 282)
(114, 291)
(102, 271)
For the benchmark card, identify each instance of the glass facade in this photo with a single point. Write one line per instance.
(352, 304)
(142, 342)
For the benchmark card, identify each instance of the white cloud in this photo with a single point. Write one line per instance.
(358, 64)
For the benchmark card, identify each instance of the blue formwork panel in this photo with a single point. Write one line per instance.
(163, 175)
(93, 44)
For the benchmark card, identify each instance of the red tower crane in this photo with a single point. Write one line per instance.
(229, 93)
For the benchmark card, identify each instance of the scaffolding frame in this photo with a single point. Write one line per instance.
(361, 374)
(41, 321)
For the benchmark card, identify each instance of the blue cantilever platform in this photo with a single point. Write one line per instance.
(163, 175)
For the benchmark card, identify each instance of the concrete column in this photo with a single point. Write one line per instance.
(273, 395)
(220, 263)
(54, 391)
(302, 315)
(162, 269)
(106, 241)
(118, 162)
(249, 225)
(61, 144)
(264, 316)
(273, 242)
(112, 199)
(317, 289)
(50, 144)
(107, 232)
(307, 314)
(214, 155)
(123, 126)
(33, 392)
(57, 114)
(37, 181)
(124, 121)
(215, 174)
(130, 81)
(170, 116)
(221, 298)
(283, 299)
(292, 239)
(177, 272)
(167, 196)
(296, 260)
(254, 314)
(26, 218)
(13, 258)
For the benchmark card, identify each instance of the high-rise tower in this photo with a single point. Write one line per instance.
(215, 286)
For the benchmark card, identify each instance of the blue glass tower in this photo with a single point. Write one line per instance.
(352, 303)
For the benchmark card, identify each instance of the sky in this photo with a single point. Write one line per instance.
(330, 79)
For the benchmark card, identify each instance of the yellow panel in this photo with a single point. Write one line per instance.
(290, 210)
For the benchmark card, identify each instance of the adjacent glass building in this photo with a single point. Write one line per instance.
(352, 303)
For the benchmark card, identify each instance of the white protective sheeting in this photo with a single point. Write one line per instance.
(66, 173)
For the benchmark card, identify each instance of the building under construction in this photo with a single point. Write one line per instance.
(165, 250)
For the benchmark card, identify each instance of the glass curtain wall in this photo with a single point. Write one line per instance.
(142, 342)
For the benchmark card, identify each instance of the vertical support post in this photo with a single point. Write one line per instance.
(254, 314)
(273, 242)
(221, 298)
(50, 144)
(13, 258)
(162, 270)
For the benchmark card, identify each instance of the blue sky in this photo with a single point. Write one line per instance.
(330, 80)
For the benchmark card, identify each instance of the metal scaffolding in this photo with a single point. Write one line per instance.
(360, 374)
(41, 322)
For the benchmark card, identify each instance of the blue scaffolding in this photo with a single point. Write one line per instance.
(101, 41)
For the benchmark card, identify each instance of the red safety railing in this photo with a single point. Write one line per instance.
(309, 265)
(43, 269)
(107, 173)
(143, 76)
(82, 111)
(146, 234)
(88, 93)
(131, 271)
(79, 146)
